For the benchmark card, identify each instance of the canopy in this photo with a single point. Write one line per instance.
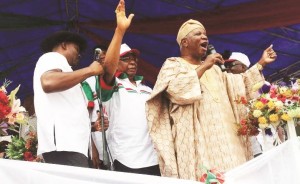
(246, 26)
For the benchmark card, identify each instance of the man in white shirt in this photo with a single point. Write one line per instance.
(124, 97)
(63, 123)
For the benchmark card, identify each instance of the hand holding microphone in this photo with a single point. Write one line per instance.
(97, 64)
(97, 55)
(211, 50)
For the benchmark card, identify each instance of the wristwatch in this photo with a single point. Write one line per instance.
(259, 67)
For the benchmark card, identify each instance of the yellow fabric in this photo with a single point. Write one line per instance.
(191, 121)
(186, 28)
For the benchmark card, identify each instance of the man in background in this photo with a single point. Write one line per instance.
(237, 63)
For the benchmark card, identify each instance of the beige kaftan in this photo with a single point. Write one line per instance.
(192, 123)
(240, 110)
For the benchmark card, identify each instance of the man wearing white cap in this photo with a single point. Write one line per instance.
(124, 97)
(190, 116)
(237, 63)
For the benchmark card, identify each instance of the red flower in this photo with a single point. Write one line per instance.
(28, 156)
(4, 105)
(281, 98)
(3, 98)
(244, 100)
(4, 110)
(243, 122)
(264, 100)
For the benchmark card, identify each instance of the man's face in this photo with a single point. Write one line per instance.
(128, 64)
(197, 42)
(237, 67)
(72, 53)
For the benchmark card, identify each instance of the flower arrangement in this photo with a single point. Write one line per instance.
(16, 148)
(23, 149)
(11, 111)
(280, 104)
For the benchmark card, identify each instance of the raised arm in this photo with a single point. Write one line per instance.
(113, 51)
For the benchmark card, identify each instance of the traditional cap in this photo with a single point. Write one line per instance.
(125, 49)
(62, 36)
(186, 28)
(239, 57)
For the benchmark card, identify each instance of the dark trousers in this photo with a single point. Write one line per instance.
(152, 170)
(66, 158)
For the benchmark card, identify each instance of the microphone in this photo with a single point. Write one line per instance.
(211, 50)
(97, 53)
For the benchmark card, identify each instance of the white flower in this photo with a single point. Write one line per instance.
(292, 113)
(288, 103)
(279, 104)
(297, 111)
(295, 86)
(16, 107)
(257, 113)
(263, 125)
(267, 96)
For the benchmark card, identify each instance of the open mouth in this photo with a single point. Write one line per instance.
(204, 45)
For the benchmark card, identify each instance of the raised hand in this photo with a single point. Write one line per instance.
(268, 56)
(122, 21)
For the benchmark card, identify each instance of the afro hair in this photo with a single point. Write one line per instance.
(55, 39)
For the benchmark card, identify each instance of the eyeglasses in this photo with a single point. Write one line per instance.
(238, 64)
(129, 58)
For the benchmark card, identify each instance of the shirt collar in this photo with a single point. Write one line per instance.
(121, 75)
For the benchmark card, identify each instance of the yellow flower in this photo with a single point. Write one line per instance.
(288, 93)
(283, 89)
(262, 120)
(259, 105)
(273, 117)
(20, 117)
(285, 117)
(271, 104)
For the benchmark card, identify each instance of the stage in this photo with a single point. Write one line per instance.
(277, 166)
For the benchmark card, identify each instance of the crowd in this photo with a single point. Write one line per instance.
(186, 120)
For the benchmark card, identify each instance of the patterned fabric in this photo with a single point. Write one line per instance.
(236, 89)
(192, 122)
